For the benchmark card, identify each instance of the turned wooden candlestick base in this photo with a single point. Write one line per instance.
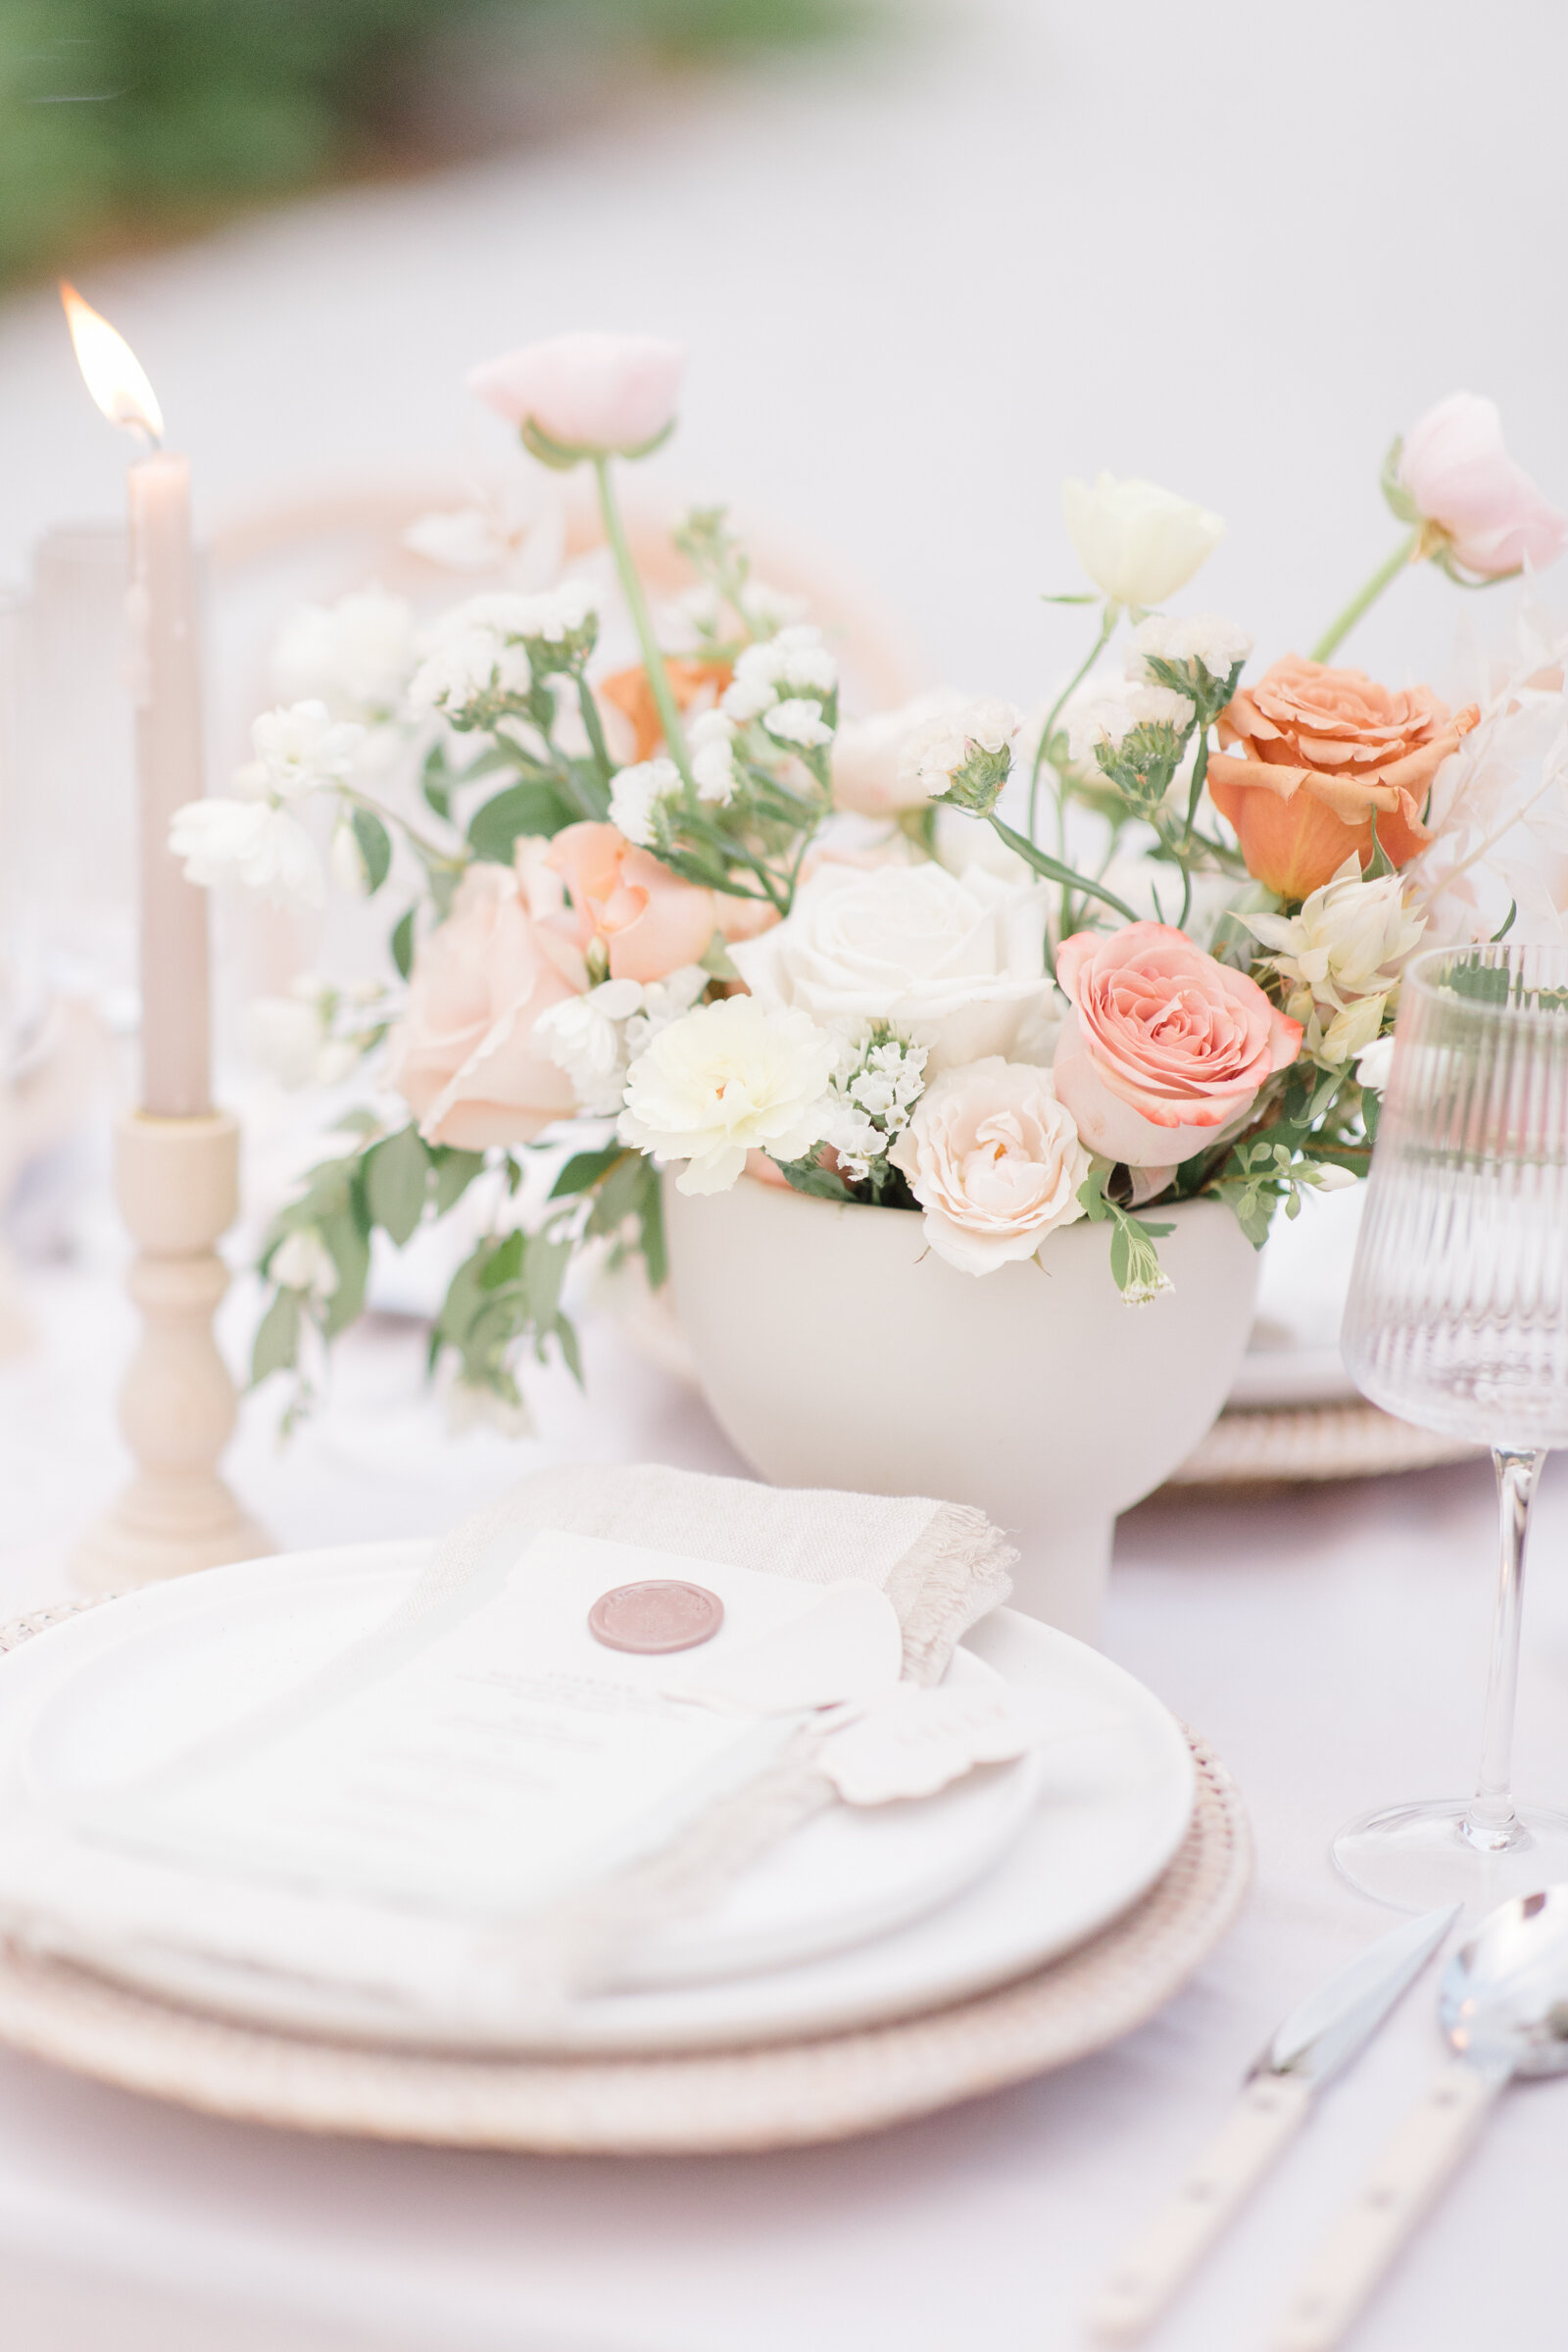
(177, 1185)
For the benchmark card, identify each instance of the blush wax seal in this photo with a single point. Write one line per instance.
(659, 1614)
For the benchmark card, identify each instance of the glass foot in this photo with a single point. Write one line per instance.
(1414, 1857)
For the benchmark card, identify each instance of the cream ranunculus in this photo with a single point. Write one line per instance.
(1456, 471)
(726, 1079)
(1138, 543)
(588, 394)
(994, 1162)
(1342, 956)
(954, 963)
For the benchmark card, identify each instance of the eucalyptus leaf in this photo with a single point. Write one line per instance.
(402, 945)
(455, 1171)
(278, 1339)
(397, 1182)
(531, 807)
(376, 847)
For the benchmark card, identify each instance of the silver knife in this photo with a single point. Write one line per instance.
(1318, 2037)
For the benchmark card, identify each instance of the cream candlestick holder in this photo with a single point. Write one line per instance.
(177, 1182)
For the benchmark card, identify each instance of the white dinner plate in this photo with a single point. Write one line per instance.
(860, 1913)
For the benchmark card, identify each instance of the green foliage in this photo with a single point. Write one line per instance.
(127, 119)
(1135, 1266)
(376, 847)
(819, 1183)
(532, 808)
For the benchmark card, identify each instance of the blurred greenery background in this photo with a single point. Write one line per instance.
(125, 123)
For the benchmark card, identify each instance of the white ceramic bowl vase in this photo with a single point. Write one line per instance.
(835, 1350)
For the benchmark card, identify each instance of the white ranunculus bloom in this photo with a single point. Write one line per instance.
(1350, 941)
(298, 750)
(1138, 543)
(302, 1261)
(994, 1159)
(355, 656)
(726, 1079)
(635, 792)
(250, 841)
(1207, 638)
(1107, 710)
(954, 963)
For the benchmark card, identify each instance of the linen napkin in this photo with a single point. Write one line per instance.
(940, 1566)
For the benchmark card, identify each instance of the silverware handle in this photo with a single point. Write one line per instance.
(1414, 2168)
(1153, 2271)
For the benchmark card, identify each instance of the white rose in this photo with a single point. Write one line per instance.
(994, 1162)
(956, 964)
(1139, 544)
(726, 1079)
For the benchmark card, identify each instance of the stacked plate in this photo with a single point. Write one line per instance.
(862, 1924)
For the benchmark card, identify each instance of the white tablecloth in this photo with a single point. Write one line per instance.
(1331, 1644)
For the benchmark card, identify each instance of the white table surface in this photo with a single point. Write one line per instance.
(1329, 1643)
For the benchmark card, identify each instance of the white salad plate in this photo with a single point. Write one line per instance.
(858, 1914)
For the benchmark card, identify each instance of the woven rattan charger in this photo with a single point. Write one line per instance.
(782, 2095)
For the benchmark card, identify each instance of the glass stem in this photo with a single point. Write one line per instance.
(1489, 1824)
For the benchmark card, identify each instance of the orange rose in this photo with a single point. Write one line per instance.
(1320, 756)
(651, 922)
(633, 697)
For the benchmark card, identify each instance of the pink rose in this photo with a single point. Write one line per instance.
(590, 394)
(1457, 470)
(464, 1058)
(649, 921)
(994, 1161)
(1163, 1045)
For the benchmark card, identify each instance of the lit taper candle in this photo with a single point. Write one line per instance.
(167, 684)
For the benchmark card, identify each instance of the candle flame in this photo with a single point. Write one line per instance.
(113, 375)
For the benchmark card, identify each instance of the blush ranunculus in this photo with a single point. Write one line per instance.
(1164, 1046)
(651, 922)
(462, 1055)
(1454, 466)
(1312, 756)
(994, 1160)
(591, 394)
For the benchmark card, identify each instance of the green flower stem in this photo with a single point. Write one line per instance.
(1200, 772)
(1054, 871)
(453, 862)
(1107, 622)
(1408, 552)
(594, 727)
(637, 604)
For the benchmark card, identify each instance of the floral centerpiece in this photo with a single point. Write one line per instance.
(998, 971)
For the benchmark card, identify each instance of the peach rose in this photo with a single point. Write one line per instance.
(631, 693)
(464, 1058)
(1323, 754)
(651, 922)
(994, 1161)
(1164, 1046)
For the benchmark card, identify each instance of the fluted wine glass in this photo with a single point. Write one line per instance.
(1459, 1320)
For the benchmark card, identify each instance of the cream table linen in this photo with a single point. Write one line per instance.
(1330, 1644)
